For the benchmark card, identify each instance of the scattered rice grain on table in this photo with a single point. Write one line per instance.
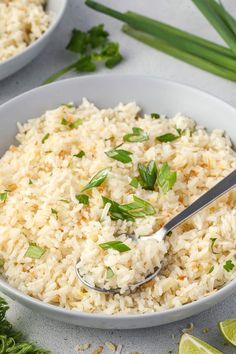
(41, 175)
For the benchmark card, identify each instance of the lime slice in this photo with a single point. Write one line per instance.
(192, 345)
(228, 329)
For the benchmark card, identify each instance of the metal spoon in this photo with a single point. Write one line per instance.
(211, 195)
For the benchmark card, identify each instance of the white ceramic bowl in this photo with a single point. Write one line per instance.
(154, 95)
(12, 65)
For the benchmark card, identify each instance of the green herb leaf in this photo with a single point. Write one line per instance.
(85, 65)
(108, 51)
(97, 36)
(110, 273)
(120, 155)
(64, 121)
(2, 262)
(83, 199)
(30, 181)
(55, 212)
(3, 196)
(138, 135)
(34, 251)
(148, 175)
(229, 265)
(78, 42)
(76, 123)
(64, 201)
(169, 234)
(98, 179)
(68, 105)
(211, 270)
(138, 209)
(80, 154)
(115, 245)
(213, 240)
(167, 137)
(134, 182)
(112, 62)
(166, 179)
(45, 138)
(155, 115)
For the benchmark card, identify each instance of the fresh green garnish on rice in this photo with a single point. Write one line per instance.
(137, 136)
(83, 199)
(64, 121)
(119, 155)
(110, 273)
(46, 136)
(167, 137)
(211, 270)
(30, 181)
(3, 196)
(138, 209)
(55, 212)
(134, 182)
(64, 201)
(228, 266)
(166, 179)
(155, 115)
(115, 245)
(2, 262)
(98, 179)
(213, 240)
(34, 251)
(75, 124)
(80, 154)
(148, 175)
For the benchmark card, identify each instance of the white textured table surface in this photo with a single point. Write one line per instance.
(62, 338)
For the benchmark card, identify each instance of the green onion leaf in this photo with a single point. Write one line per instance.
(138, 135)
(115, 245)
(213, 240)
(64, 201)
(166, 178)
(34, 251)
(80, 154)
(148, 175)
(64, 121)
(98, 179)
(155, 115)
(211, 270)
(45, 138)
(2, 262)
(229, 265)
(167, 137)
(30, 181)
(83, 199)
(134, 182)
(110, 273)
(120, 155)
(55, 212)
(76, 123)
(3, 196)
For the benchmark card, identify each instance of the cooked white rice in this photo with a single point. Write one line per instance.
(21, 23)
(200, 160)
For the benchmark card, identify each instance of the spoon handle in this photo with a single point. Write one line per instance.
(214, 193)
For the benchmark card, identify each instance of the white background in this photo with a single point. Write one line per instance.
(62, 338)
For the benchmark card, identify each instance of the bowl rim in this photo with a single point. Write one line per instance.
(189, 308)
(55, 21)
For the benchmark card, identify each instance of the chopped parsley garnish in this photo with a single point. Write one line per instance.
(64, 121)
(45, 138)
(134, 182)
(211, 270)
(115, 245)
(3, 196)
(229, 265)
(148, 175)
(110, 273)
(30, 181)
(2, 262)
(138, 209)
(34, 251)
(169, 234)
(137, 136)
(83, 199)
(167, 137)
(64, 201)
(76, 123)
(213, 240)
(68, 105)
(155, 115)
(84, 44)
(98, 179)
(55, 212)
(80, 154)
(166, 179)
(119, 155)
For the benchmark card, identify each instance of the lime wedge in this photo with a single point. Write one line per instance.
(192, 345)
(228, 329)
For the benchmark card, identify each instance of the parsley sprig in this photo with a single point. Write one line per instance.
(84, 44)
(119, 155)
